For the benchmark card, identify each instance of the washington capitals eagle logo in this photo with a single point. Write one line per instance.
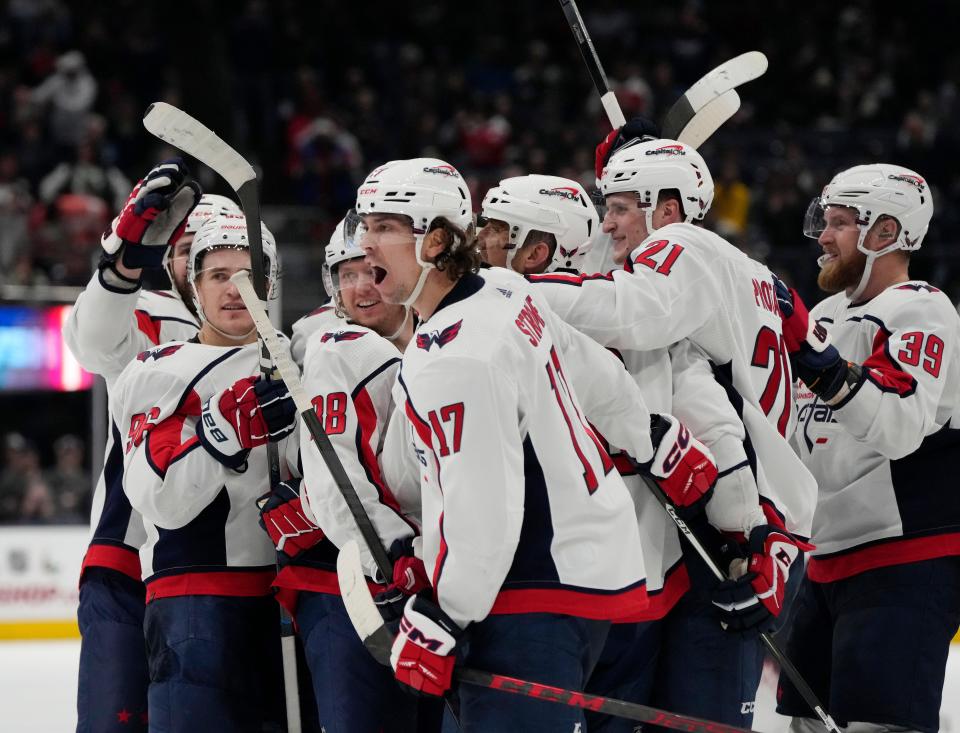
(441, 338)
(158, 353)
(341, 336)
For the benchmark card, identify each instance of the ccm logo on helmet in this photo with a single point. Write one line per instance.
(912, 180)
(443, 170)
(667, 150)
(563, 191)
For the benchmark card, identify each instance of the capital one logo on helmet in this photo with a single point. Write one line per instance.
(443, 170)
(566, 192)
(912, 180)
(667, 150)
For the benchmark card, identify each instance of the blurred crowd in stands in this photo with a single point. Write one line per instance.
(35, 494)
(318, 93)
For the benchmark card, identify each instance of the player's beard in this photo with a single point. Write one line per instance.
(842, 273)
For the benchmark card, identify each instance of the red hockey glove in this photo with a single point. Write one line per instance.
(755, 599)
(681, 464)
(409, 578)
(153, 217)
(636, 128)
(283, 517)
(812, 357)
(422, 656)
(252, 412)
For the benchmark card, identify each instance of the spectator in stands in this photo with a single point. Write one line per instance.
(68, 482)
(21, 468)
(731, 202)
(69, 93)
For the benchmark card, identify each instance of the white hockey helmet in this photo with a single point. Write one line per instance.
(552, 204)
(648, 167)
(210, 204)
(229, 231)
(344, 245)
(423, 190)
(875, 190)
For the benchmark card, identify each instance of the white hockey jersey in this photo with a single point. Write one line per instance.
(107, 327)
(201, 518)
(522, 509)
(323, 318)
(349, 374)
(884, 457)
(687, 282)
(680, 381)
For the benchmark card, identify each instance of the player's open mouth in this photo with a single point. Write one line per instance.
(367, 304)
(235, 307)
(378, 274)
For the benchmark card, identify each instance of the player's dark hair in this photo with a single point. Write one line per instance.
(460, 251)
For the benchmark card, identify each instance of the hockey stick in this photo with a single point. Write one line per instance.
(179, 129)
(694, 117)
(706, 92)
(607, 98)
(377, 638)
(786, 665)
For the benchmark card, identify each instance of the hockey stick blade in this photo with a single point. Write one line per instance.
(290, 375)
(709, 119)
(378, 640)
(729, 75)
(176, 127)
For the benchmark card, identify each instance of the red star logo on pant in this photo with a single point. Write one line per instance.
(123, 716)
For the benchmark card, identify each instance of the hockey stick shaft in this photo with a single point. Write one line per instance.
(378, 640)
(607, 98)
(291, 377)
(806, 692)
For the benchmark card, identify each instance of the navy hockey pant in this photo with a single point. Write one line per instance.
(540, 647)
(214, 665)
(874, 646)
(113, 679)
(355, 694)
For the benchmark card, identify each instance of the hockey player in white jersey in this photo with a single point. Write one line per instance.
(528, 532)
(196, 420)
(681, 283)
(537, 223)
(112, 321)
(349, 372)
(879, 408)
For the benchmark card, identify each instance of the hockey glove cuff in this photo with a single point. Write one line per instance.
(251, 413)
(422, 655)
(682, 466)
(409, 578)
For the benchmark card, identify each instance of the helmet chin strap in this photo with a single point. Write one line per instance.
(425, 268)
(872, 256)
(231, 336)
(403, 324)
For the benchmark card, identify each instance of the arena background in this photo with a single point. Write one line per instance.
(318, 93)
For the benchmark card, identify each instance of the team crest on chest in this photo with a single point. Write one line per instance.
(341, 336)
(441, 338)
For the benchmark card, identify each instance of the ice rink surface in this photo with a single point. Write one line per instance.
(38, 684)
